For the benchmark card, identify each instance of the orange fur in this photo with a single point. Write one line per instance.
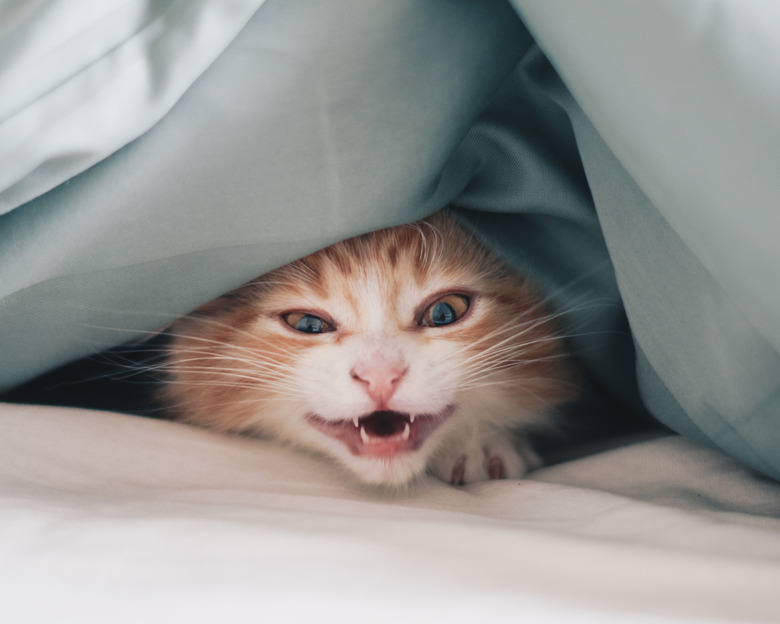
(236, 366)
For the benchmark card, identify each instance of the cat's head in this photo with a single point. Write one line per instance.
(375, 351)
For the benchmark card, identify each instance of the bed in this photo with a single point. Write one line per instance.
(155, 155)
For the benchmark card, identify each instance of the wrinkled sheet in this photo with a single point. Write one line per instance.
(111, 518)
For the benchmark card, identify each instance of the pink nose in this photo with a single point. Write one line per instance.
(380, 380)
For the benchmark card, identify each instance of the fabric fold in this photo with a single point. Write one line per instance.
(81, 80)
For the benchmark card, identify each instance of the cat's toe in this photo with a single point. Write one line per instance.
(479, 460)
(502, 460)
(458, 474)
(496, 468)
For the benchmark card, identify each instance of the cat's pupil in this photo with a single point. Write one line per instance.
(443, 314)
(310, 324)
(445, 311)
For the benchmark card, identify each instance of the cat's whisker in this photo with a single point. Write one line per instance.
(512, 338)
(197, 372)
(492, 371)
(508, 341)
(510, 359)
(276, 381)
(509, 363)
(215, 383)
(258, 364)
(485, 337)
(208, 368)
(196, 355)
(207, 358)
(516, 349)
(532, 381)
(252, 351)
(519, 325)
(568, 336)
(209, 321)
(530, 324)
(251, 402)
(231, 328)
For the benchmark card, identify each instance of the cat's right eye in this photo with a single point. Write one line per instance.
(445, 311)
(307, 323)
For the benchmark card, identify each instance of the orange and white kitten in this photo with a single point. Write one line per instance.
(405, 350)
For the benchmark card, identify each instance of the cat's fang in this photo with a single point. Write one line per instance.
(382, 434)
(356, 420)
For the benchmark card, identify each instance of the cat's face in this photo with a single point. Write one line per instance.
(380, 352)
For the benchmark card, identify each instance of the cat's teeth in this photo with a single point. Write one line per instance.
(355, 420)
(411, 418)
(407, 431)
(363, 435)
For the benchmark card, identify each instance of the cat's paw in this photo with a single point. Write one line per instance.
(481, 457)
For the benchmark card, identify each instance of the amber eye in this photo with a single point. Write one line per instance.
(445, 311)
(307, 323)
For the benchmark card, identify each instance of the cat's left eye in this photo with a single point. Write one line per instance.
(307, 323)
(445, 311)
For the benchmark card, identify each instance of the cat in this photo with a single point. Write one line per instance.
(401, 352)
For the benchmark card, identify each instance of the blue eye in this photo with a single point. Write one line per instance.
(310, 324)
(445, 311)
(307, 323)
(443, 314)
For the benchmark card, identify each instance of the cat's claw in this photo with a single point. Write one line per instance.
(496, 458)
(458, 471)
(495, 468)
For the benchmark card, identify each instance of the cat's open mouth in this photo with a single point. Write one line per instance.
(383, 433)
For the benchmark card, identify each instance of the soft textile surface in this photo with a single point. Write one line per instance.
(81, 78)
(677, 117)
(319, 121)
(111, 518)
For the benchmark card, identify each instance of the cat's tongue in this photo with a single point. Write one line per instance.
(383, 433)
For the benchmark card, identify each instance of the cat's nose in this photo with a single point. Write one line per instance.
(380, 380)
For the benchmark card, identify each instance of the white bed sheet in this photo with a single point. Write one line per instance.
(112, 518)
